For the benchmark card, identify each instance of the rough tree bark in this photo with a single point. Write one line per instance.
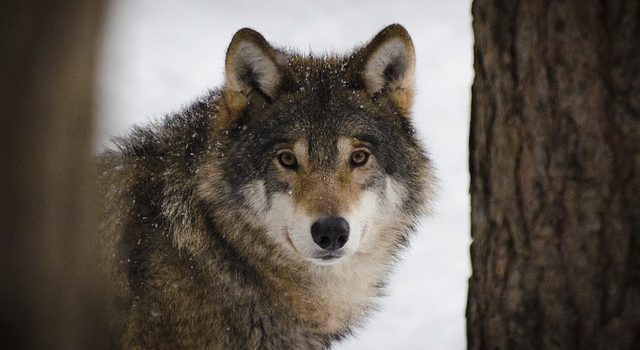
(555, 175)
(49, 294)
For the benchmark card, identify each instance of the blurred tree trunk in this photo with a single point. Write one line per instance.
(49, 297)
(555, 175)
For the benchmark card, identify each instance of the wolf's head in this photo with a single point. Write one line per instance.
(320, 152)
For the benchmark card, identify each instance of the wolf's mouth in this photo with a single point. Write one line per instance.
(328, 257)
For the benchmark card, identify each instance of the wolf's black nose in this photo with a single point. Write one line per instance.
(330, 233)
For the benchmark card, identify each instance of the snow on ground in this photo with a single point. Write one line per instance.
(160, 55)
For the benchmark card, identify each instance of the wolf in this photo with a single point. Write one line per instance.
(269, 213)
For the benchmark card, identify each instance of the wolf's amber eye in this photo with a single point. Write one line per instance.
(359, 158)
(288, 160)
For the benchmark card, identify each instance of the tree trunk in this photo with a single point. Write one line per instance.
(555, 175)
(49, 294)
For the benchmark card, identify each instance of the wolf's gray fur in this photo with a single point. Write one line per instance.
(208, 213)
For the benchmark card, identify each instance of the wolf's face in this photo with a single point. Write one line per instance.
(320, 151)
(323, 171)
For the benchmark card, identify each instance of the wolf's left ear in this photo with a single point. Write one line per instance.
(386, 67)
(252, 69)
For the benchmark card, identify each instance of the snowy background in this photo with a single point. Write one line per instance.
(160, 55)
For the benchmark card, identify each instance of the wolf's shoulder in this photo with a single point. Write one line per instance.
(173, 137)
(155, 163)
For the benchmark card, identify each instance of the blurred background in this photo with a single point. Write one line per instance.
(158, 56)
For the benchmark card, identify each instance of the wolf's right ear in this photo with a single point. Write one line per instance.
(252, 67)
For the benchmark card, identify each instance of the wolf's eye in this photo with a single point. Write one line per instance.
(288, 160)
(359, 158)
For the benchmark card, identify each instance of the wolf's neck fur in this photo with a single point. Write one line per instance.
(335, 298)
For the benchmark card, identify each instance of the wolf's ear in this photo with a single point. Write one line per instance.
(386, 67)
(252, 67)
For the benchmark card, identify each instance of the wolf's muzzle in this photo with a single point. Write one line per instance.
(330, 233)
